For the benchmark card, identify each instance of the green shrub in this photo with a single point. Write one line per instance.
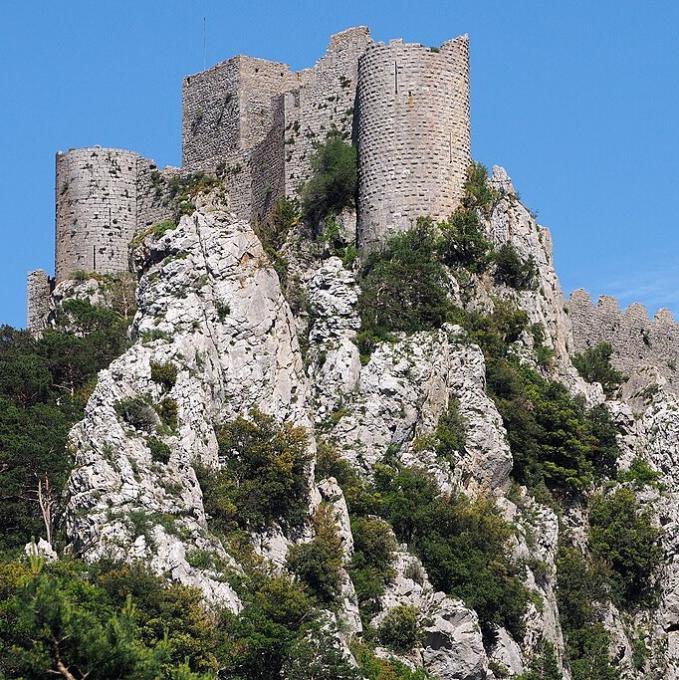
(332, 186)
(513, 271)
(623, 538)
(361, 498)
(589, 657)
(554, 439)
(137, 412)
(274, 232)
(399, 629)
(449, 436)
(182, 189)
(164, 374)
(370, 568)
(581, 585)
(462, 544)
(478, 194)
(463, 242)
(403, 288)
(168, 412)
(640, 474)
(377, 668)
(160, 451)
(116, 623)
(318, 655)
(544, 665)
(161, 228)
(264, 477)
(318, 562)
(594, 365)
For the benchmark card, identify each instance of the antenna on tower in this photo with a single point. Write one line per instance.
(204, 43)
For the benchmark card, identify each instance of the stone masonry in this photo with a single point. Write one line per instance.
(103, 196)
(413, 135)
(38, 300)
(254, 124)
(645, 350)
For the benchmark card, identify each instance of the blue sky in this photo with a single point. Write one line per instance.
(578, 100)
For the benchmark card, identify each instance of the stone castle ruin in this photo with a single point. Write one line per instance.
(254, 124)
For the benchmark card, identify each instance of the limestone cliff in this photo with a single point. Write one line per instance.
(211, 305)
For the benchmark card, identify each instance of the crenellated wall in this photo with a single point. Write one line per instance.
(645, 349)
(413, 134)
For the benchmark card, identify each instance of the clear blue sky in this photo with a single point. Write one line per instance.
(578, 100)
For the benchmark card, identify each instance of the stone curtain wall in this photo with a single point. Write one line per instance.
(210, 114)
(96, 196)
(413, 134)
(325, 100)
(39, 300)
(644, 349)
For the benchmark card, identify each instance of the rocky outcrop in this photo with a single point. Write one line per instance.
(400, 395)
(211, 305)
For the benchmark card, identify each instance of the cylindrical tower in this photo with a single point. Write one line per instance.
(413, 134)
(96, 198)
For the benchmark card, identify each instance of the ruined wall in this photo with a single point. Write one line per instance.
(413, 134)
(153, 193)
(96, 217)
(228, 107)
(38, 298)
(645, 350)
(325, 100)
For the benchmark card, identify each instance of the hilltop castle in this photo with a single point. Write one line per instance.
(254, 123)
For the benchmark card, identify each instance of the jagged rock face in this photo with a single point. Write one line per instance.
(210, 303)
(334, 358)
(213, 307)
(511, 221)
(400, 395)
(452, 644)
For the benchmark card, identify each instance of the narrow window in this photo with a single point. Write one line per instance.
(395, 78)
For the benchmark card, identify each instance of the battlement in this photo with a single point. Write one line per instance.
(644, 348)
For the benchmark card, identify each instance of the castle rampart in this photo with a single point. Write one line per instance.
(644, 349)
(254, 124)
(413, 134)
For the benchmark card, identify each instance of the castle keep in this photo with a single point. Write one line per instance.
(254, 124)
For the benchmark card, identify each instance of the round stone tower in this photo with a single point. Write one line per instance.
(96, 197)
(413, 134)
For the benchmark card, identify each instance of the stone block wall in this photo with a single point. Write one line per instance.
(324, 100)
(645, 349)
(96, 198)
(39, 291)
(210, 113)
(103, 196)
(414, 142)
(230, 106)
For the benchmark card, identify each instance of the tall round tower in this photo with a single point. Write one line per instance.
(413, 134)
(96, 192)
